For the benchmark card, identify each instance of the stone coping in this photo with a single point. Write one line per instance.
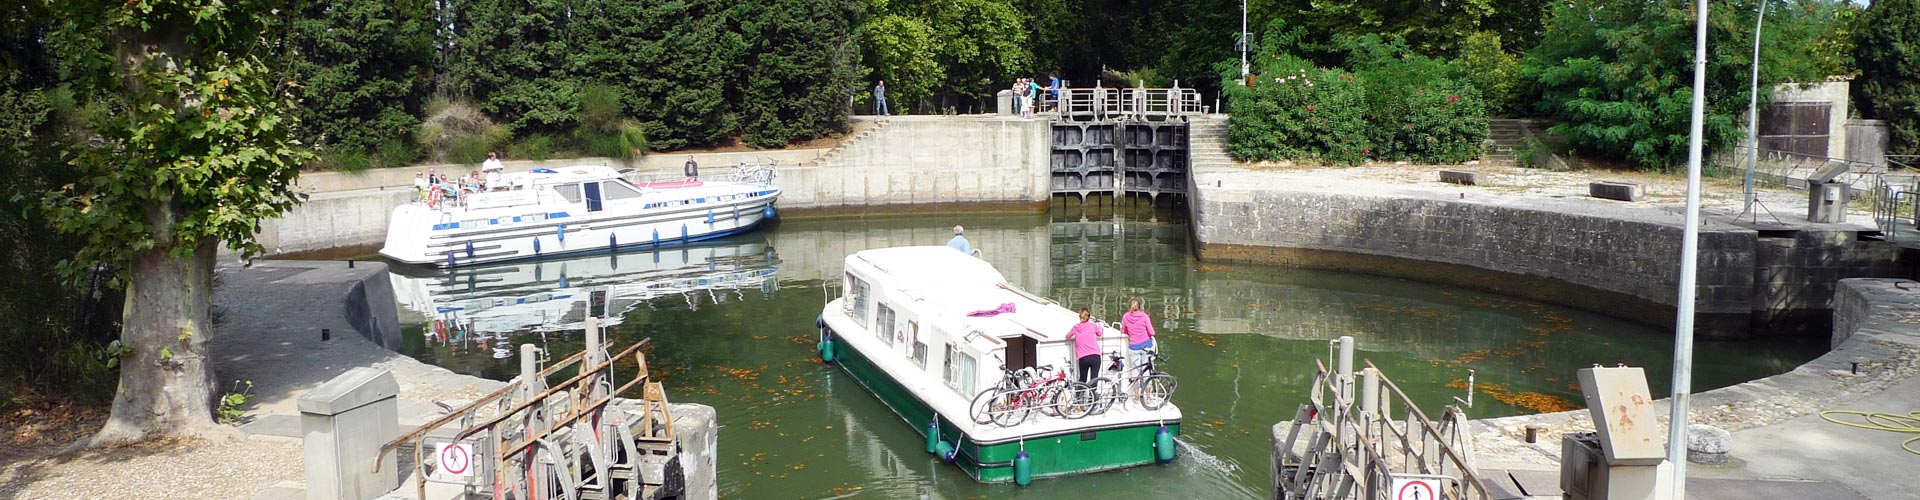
(1876, 326)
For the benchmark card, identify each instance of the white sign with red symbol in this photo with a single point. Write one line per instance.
(456, 459)
(1419, 487)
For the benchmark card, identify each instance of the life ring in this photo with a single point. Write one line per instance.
(433, 198)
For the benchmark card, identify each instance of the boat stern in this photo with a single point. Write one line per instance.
(408, 229)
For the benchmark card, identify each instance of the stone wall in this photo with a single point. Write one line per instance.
(927, 160)
(1621, 261)
(1798, 272)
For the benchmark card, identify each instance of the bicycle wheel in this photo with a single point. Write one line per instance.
(985, 405)
(1076, 401)
(1014, 408)
(1101, 395)
(1048, 399)
(1156, 389)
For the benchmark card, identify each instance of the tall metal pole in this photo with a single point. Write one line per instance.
(1689, 262)
(1244, 43)
(1753, 110)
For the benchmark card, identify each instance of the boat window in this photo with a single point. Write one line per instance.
(919, 345)
(616, 191)
(960, 370)
(859, 298)
(884, 326)
(569, 191)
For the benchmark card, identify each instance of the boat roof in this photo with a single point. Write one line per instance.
(961, 284)
(566, 174)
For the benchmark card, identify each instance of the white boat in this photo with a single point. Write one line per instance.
(573, 210)
(905, 328)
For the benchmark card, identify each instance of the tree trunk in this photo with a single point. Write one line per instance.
(166, 383)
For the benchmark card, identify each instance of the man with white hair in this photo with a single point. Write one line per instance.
(960, 242)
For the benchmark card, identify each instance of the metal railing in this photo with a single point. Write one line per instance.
(1790, 169)
(756, 172)
(1355, 454)
(1134, 103)
(529, 440)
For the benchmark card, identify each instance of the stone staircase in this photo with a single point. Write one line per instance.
(832, 156)
(1508, 137)
(1207, 146)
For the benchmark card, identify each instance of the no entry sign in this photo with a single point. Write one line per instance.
(1418, 487)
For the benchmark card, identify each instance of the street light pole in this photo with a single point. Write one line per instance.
(1753, 110)
(1243, 42)
(1689, 264)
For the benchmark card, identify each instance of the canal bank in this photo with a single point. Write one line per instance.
(1554, 246)
(1781, 447)
(286, 327)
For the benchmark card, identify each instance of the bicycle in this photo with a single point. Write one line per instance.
(1154, 387)
(1017, 395)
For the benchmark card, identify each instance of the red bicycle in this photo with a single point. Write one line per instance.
(1019, 393)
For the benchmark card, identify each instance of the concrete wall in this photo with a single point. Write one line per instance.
(1621, 261)
(1798, 273)
(327, 182)
(807, 253)
(333, 220)
(919, 160)
(697, 430)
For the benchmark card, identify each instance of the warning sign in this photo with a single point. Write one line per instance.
(1418, 487)
(455, 459)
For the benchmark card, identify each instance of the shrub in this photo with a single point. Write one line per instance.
(624, 142)
(456, 132)
(395, 152)
(344, 160)
(1292, 112)
(536, 147)
(1419, 108)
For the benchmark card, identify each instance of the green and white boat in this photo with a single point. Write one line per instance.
(902, 328)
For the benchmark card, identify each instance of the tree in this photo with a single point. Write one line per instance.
(672, 60)
(1608, 70)
(900, 51)
(510, 56)
(1888, 55)
(186, 143)
(982, 44)
(1493, 70)
(363, 68)
(799, 69)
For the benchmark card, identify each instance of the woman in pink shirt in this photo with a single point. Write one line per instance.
(1139, 330)
(1086, 346)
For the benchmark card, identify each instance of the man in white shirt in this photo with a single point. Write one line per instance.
(493, 167)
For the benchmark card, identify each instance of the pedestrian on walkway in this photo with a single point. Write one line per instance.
(1053, 91)
(880, 98)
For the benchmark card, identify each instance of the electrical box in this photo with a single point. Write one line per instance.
(1827, 201)
(1623, 415)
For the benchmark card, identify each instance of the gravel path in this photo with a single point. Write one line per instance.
(218, 468)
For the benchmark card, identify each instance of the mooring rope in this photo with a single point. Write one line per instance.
(1882, 421)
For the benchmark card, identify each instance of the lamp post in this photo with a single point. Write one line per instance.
(1689, 264)
(1242, 44)
(1753, 111)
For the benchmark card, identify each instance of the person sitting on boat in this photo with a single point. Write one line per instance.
(1085, 336)
(960, 242)
(1139, 330)
(420, 183)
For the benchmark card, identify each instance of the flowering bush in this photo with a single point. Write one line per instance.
(1393, 106)
(1293, 111)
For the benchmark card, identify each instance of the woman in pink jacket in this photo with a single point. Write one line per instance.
(1086, 346)
(1139, 330)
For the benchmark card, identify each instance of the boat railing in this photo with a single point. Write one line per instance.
(758, 172)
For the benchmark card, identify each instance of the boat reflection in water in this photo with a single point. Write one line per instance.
(483, 307)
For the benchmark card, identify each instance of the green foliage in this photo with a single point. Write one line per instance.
(626, 141)
(456, 132)
(981, 44)
(1418, 108)
(1612, 72)
(233, 404)
(183, 146)
(1493, 70)
(511, 57)
(1888, 54)
(803, 61)
(362, 68)
(537, 147)
(344, 160)
(395, 152)
(900, 50)
(1395, 105)
(673, 61)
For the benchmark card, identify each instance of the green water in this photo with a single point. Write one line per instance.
(1242, 339)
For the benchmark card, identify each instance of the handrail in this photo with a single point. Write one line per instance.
(1369, 464)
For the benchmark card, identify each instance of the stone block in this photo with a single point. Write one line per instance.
(1703, 438)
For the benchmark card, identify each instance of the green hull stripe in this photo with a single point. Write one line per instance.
(1051, 456)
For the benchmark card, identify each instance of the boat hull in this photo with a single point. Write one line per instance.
(1079, 452)
(418, 236)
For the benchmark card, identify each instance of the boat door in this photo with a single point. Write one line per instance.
(593, 196)
(1022, 352)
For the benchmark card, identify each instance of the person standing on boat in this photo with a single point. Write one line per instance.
(1139, 330)
(493, 167)
(1085, 336)
(960, 242)
(693, 168)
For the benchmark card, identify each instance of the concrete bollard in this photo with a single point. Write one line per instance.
(344, 423)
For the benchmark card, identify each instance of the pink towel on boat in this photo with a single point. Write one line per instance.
(1004, 308)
